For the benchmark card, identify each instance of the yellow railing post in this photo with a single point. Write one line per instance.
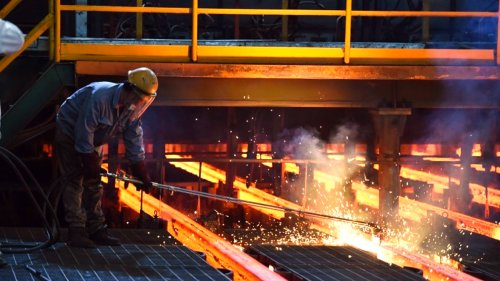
(347, 43)
(57, 37)
(138, 22)
(194, 39)
(51, 31)
(425, 21)
(284, 21)
(8, 8)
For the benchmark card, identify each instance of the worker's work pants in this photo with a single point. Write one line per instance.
(81, 197)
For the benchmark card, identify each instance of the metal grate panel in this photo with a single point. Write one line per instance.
(324, 263)
(144, 255)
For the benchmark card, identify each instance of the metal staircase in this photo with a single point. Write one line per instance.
(28, 105)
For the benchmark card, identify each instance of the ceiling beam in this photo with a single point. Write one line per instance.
(320, 72)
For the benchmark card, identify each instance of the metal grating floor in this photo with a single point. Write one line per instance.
(144, 255)
(480, 254)
(324, 263)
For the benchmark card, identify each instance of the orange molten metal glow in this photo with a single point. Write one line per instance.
(476, 150)
(343, 234)
(219, 252)
(442, 182)
(417, 211)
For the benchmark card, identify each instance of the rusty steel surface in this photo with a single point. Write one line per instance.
(294, 71)
(179, 86)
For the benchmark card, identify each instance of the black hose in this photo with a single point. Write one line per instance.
(53, 228)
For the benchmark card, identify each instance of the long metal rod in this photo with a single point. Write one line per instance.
(276, 12)
(240, 201)
(128, 9)
(436, 14)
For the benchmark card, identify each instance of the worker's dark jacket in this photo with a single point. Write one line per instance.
(91, 118)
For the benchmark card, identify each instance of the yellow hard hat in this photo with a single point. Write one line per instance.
(144, 79)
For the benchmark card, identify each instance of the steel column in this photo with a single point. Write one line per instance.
(389, 126)
(461, 196)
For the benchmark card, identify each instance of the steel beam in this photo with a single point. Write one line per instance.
(330, 72)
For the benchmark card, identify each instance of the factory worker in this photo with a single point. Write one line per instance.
(89, 118)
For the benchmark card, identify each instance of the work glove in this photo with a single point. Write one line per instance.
(91, 167)
(139, 171)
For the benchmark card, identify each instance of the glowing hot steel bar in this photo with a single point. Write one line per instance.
(344, 234)
(415, 210)
(442, 182)
(418, 211)
(219, 252)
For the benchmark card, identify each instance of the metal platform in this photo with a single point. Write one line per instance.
(479, 254)
(325, 263)
(144, 255)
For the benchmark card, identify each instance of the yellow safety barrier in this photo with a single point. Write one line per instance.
(194, 52)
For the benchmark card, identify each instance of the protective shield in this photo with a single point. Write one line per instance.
(140, 104)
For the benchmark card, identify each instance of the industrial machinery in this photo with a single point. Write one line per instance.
(290, 139)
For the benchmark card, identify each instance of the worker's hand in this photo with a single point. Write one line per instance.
(91, 167)
(139, 171)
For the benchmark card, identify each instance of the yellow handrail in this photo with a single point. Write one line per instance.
(447, 14)
(38, 30)
(123, 9)
(207, 53)
(195, 11)
(8, 8)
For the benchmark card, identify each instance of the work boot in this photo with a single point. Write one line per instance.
(102, 237)
(78, 238)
